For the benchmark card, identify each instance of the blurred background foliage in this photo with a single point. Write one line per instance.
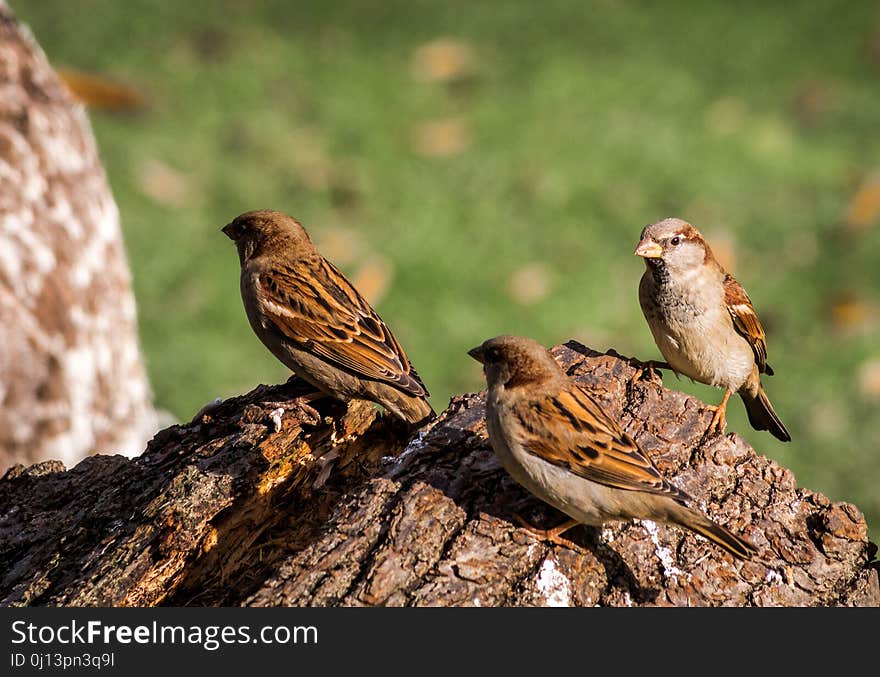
(482, 167)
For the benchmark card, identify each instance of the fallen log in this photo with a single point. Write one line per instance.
(251, 503)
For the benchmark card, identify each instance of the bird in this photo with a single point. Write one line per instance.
(316, 323)
(703, 321)
(557, 441)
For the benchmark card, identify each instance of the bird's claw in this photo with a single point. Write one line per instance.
(719, 420)
(304, 411)
(651, 368)
(553, 535)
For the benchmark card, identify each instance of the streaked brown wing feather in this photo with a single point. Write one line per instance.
(314, 305)
(571, 430)
(745, 321)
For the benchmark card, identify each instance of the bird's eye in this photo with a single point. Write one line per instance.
(675, 241)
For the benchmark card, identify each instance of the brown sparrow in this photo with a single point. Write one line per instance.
(312, 319)
(703, 321)
(557, 442)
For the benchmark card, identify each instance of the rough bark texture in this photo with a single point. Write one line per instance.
(72, 378)
(252, 505)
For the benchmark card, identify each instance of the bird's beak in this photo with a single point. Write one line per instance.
(648, 249)
(476, 353)
(227, 231)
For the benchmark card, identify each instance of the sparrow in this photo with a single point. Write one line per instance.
(556, 441)
(311, 317)
(703, 321)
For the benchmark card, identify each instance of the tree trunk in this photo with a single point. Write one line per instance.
(72, 379)
(252, 503)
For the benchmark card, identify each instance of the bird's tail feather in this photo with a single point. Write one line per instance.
(722, 537)
(762, 416)
(416, 411)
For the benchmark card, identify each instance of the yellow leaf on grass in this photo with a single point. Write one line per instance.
(531, 283)
(869, 379)
(373, 279)
(97, 91)
(441, 138)
(864, 208)
(442, 60)
(164, 184)
(850, 314)
(339, 245)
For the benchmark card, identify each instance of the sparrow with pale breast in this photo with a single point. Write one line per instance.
(311, 318)
(703, 321)
(556, 441)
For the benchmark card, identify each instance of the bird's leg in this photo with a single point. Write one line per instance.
(301, 405)
(651, 367)
(553, 535)
(718, 421)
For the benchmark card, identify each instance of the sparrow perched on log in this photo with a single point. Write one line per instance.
(703, 321)
(311, 318)
(556, 441)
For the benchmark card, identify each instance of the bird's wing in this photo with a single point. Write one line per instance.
(312, 304)
(746, 322)
(571, 430)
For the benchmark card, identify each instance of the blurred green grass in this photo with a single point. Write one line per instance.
(756, 121)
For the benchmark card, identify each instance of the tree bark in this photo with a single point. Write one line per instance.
(254, 504)
(72, 378)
